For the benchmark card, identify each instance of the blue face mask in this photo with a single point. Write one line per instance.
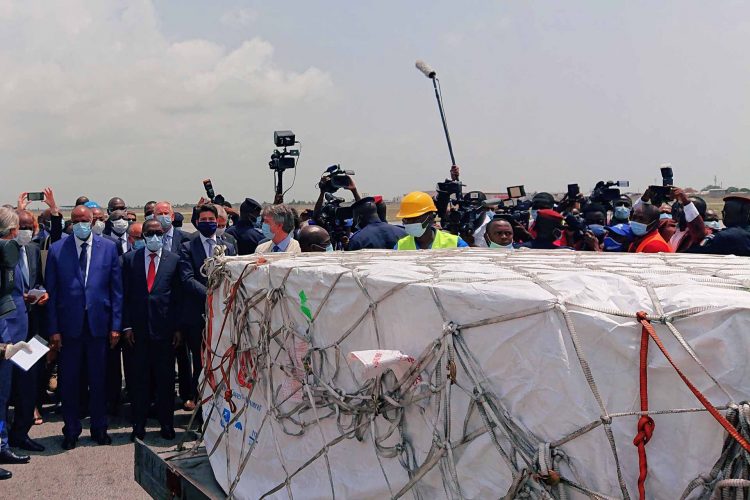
(154, 243)
(139, 244)
(329, 248)
(638, 228)
(611, 245)
(664, 216)
(82, 230)
(266, 231)
(165, 221)
(148, 217)
(622, 213)
(207, 228)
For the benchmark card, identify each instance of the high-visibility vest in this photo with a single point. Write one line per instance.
(654, 236)
(442, 240)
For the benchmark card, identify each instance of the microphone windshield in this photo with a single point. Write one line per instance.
(425, 68)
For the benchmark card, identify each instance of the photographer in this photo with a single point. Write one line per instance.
(373, 233)
(688, 212)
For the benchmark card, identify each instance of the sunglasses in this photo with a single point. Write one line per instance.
(153, 233)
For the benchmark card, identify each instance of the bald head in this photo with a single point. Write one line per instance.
(81, 213)
(313, 239)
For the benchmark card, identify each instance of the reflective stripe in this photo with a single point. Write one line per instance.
(442, 240)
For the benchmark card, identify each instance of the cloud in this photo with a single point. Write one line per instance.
(97, 83)
(239, 17)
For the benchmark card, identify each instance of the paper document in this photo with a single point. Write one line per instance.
(35, 293)
(26, 360)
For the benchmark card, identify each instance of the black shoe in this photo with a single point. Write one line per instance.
(101, 438)
(167, 433)
(8, 457)
(137, 433)
(25, 443)
(5, 474)
(69, 443)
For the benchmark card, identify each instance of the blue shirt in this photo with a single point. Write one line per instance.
(283, 244)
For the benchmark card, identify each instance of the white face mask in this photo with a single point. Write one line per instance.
(24, 236)
(119, 226)
(509, 246)
(97, 227)
(220, 231)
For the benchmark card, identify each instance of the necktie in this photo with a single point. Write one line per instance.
(167, 244)
(151, 272)
(24, 269)
(82, 260)
(211, 244)
(276, 248)
(123, 244)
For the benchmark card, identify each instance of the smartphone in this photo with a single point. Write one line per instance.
(35, 196)
(209, 189)
(573, 191)
(516, 191)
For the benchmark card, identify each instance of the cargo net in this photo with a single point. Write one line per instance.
(374, 412)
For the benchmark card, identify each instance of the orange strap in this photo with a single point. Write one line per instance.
(643, 319)
(646, 424)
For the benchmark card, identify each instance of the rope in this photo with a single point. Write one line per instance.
(645, 422)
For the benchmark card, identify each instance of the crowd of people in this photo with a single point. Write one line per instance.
(118, 298)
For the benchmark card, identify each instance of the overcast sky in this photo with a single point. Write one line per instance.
(143, 99)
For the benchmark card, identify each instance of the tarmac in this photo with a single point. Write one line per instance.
(89, 471)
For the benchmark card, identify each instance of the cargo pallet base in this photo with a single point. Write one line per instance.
(189, 477)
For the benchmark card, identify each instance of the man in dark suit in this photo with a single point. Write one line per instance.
(192, 256)
(118, 231)
(246, 230)
(28, 275)
(151, 284)
(84, 316)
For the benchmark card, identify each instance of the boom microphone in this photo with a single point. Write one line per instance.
(425, 68)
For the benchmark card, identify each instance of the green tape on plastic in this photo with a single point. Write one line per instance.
(303, 305)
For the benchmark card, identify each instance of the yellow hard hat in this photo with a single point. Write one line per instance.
(415, 204)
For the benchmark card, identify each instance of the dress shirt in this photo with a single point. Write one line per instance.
(89, 249)
(25, 264)
(283, 244)
(147, 259)
(206, 247)
(168, 238)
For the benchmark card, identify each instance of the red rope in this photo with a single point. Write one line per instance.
(645, 429)
(646, 424)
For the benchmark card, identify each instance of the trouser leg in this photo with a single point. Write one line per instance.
(139, 390)
(195, 338)
(24, 392)
(96, 357)
(162, 369)
(69, 384)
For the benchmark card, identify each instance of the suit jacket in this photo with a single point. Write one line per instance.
(247, 237)
(18, 320)
(267, 247)
(116, 240)
(192, 257)
(178, 238)
(70, 301)
(155, 313)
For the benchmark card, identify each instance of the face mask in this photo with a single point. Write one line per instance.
(206, 228)
(417, 229)
(664, 216)
(611, 245)
(638, 228)
(329, 248)
(220, 231)
(148, 217)
(622, 213)
(24, 236)
(82, 230)
(139, 244)
(509, 246)
(119, 226)
(165, 220)
(98, 227)
(154, 243)
(713, 224)
(266, 231)
(533, 214)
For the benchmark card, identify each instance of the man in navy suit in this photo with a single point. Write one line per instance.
(192, 256)
(28, 274)
(118, 231)
(172, 241)
(151, 283)
(84, 316)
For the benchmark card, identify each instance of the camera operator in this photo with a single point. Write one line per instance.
(373, 233)
(735, 239)
(688, 212)
(499, 233)
(323, 185)
(645, 227)
(548, 225)
(418, 213)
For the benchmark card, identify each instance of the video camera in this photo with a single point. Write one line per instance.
(9, 253)
(515, 212)
(285, 159)
(467, 217)
(663, 193)
(605, 192)
(334, 178)
(333, 216)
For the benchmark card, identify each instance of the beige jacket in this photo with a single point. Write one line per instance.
(267, 247)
